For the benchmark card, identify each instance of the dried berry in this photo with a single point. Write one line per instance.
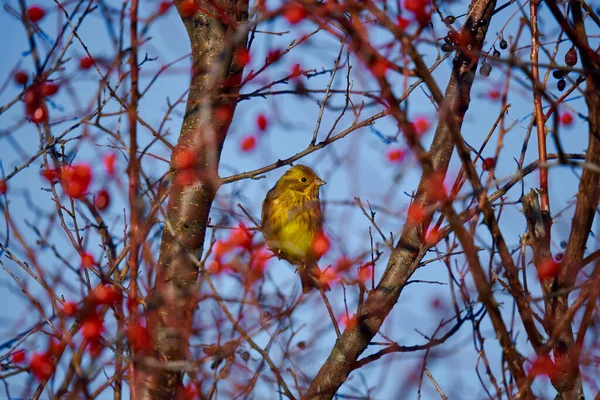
(485, 69)
(449, 19)
(558, 74)
(561, 85)
(447, 47)
(571, 57)
(496, 53)
(503, 44)
(482, 22)
(245, 356)
(447, 39)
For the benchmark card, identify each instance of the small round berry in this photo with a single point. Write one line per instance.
(566, 118)
(485, 69)
(35, 13)
(86, 63)
(102, 200)
(489, 163)
(558, 74)
(49, 89)
(447, 47)
(450, 19)
(503, 44)
(21, 77)
(248, 143)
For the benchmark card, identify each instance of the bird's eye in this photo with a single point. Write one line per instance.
(303, 179)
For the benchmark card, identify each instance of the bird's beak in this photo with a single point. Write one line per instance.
(320, 182)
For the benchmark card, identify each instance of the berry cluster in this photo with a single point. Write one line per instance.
(560, 74)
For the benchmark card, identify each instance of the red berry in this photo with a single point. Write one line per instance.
(109, 163)
(31, 98)
(320, 244)
(76, 180)
(49, 174)
(18, 356)
(69, 309)
(262, 122)
(86, 62)
(92, 327)
(102, 200)
(547, 269)
(188, 8)
(139, 337)
(41, 366)
(348, 321)
(295, 13)
(365, 273)
(242, 57)
(241, 237)
(164, 6)
(3, 187)
(343, 264)
(402, 23)
(433, 236)
(248, 143)
(35, 13)
(296, 71)
(40, 115)
(421, 125)
(566, 118)
(106, 295)
(416, 214)
(48, 89)
(415, 6)
(395, 155)
(87, 260)
(379, 66)
(494, 94)
(21, 77)
(489, 164)
(328, 277)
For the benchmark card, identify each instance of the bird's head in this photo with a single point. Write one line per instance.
(302, 179)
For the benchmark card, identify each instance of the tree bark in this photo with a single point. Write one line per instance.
(215, 34)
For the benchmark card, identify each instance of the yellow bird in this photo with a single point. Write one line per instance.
(292, 219)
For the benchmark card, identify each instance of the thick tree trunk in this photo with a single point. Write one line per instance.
(215, 34)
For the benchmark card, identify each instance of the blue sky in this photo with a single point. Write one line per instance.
(355, 166)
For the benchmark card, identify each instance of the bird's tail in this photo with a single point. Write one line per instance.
(311, 274)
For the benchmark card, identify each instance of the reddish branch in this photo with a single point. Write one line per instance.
(134, 183)
(538, 113)
(214, 35)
